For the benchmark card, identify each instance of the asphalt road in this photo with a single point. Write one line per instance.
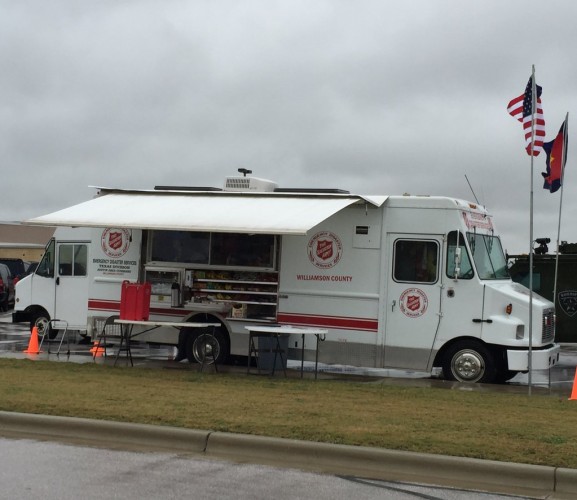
(34, 470)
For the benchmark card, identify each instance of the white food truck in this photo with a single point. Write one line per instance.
(408, 282)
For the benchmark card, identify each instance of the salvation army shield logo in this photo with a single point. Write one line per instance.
(413, 302)
(325, 249)
(115, 242)
(568, 302)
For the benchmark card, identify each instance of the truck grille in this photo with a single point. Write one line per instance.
(548, 334)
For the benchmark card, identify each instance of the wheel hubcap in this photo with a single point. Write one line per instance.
(42, 325)
(207, 348)
(468, 366)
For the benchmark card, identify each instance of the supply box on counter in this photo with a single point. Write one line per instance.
(238, 311)
(135, 301)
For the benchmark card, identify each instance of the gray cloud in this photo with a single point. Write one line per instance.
(374, 97)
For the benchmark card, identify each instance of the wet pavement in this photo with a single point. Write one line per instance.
(14, 340)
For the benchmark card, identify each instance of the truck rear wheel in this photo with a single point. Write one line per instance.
(469, 361)
(202, 344)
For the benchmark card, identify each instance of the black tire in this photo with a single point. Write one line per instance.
(41, 320)
(469, 361)
(200, 342)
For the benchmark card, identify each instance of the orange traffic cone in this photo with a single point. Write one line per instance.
(97, 350)
(574, 391)
(33, 343)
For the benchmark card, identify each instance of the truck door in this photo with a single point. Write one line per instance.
(41, 291)
(71, 275)
(413, 299)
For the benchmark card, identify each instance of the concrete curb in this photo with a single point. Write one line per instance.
(373, 463)
(102, 433)
(390, 465)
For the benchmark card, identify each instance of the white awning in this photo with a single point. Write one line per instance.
(265, 213)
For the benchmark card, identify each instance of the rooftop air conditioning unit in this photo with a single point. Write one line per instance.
(249, 184)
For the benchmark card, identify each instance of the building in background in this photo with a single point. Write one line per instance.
(18, 241)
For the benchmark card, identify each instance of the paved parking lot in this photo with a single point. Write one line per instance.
(14, 340)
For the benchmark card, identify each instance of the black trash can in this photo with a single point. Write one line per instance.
(266, 353)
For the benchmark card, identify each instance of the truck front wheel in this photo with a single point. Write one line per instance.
(206, 346)
(41, 320)
(469, 361)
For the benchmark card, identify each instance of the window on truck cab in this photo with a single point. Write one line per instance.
(488, 256)
(46, 266)
(466, 272)
(72, 259)
(415, 261)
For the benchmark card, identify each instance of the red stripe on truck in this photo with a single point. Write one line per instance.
(104, 305)
(114, 306)
(344, 323)
(365, 324)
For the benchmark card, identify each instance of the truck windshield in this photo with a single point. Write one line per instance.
(46, 266)
(488, 256)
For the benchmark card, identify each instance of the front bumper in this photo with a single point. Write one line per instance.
(541, 359)
(20, 317)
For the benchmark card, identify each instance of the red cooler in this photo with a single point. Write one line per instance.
(135, 301)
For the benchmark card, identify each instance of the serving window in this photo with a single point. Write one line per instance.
(213, 249)
(180, 246)
(231, 249)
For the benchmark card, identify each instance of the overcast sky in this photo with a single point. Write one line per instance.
(376, 97)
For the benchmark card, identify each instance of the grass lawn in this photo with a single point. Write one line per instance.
(508, 427)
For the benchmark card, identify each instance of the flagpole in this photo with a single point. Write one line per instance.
(563, 153)
(530, 355)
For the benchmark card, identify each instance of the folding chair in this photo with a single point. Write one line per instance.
(60, 326)
(104, 333)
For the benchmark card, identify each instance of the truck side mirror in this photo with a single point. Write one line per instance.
(457, 262)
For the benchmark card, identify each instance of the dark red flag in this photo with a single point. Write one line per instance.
(556, 151)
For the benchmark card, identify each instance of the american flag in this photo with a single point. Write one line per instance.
(521, 108)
